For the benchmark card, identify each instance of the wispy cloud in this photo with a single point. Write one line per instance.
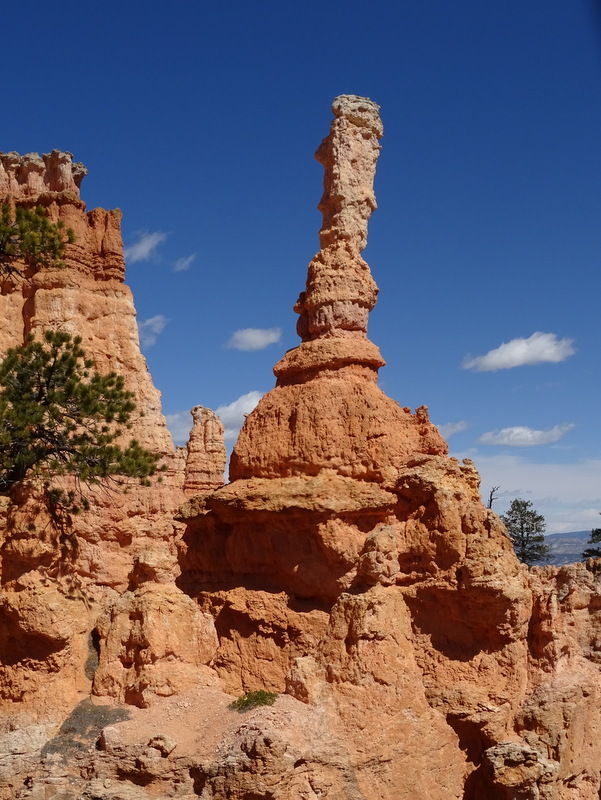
(538, 348)
(521, 436)
(451, 428)
(150, 328)
(179, 426)
(233, 414)
(183, 263)
(145, 247)
(254, 338)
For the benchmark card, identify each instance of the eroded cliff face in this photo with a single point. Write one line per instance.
(350, 566)
(55, 583)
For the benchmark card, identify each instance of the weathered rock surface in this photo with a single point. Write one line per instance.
(31, 176)
(160, 638)
(350, 565)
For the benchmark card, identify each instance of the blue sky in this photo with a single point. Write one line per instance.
(200, 120)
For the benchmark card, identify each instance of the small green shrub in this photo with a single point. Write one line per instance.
(253, 699)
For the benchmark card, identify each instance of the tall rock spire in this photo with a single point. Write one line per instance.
(340, 290)
(327, 411)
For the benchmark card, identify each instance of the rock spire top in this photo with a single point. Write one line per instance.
(349, 156)
(340, 291)
(29, 176)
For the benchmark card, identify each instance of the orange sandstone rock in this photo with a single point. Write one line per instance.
(129, 535)
(206, 454)
(30, 176)
(152, 643)
(327, 411)
(352, 564)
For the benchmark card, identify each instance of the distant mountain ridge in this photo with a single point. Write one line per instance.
(566, 548)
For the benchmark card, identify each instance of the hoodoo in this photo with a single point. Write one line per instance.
(351, 563)
(327, 411)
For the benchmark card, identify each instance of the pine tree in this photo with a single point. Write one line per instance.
(525, 528)
(58, 416)
(27, 237)
(595, 538)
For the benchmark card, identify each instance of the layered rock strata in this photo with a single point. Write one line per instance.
(327, 411)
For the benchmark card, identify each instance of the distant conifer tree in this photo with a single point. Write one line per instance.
(525, 528)
(595, 538)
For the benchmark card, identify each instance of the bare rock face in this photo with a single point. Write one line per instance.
(206, 454)
(159, 638)
(32, 175)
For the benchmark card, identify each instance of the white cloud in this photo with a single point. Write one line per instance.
(451, 428)
(144, 248)
(567, 495)
(520, 436)
(150, 328)
(183, 263)
(538, 348)
(233, 414)
(254, 338)
(179, 426)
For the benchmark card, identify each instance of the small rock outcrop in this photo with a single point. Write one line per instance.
(31, 176)
(206, 455)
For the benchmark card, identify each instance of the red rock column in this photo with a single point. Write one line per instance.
(340, 290)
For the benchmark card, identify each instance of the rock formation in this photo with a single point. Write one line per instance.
(206, 455)
(31, 176)
(327, 411)
(349, 565)
(128, 537)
